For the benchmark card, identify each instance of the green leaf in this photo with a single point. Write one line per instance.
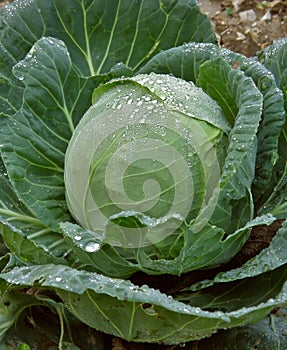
(268, 259)
(241, 102)
(143, 314)
(46, 323)
(22, 232)
(220, 82)
(10, 93)
(94, 254)
(273, 118)
(275, 59)
(183, 61)
(128, 32)
(36, 137)
(11, 207)
(124, 31)
(11, 306)
(203, 248)
(269, 333)
(276, 203)
(30, 250)
(237, 295)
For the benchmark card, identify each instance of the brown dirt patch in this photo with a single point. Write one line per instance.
(247, 26)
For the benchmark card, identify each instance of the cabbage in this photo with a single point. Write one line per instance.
(140, 165)
(146, 153)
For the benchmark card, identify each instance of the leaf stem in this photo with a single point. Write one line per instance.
(38, 234)
(99, 70)
(55, 244)
(59, 311)
(88, 55)
(132, 321)
(12, 216)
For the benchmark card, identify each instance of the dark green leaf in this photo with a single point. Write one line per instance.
(268, 259)
(30, 251)
(266, 334)
(273, 118)
(124, 31)
(94, 254)
(143, 314)
(274, 58)
(11, 306)
(241, 102)
(183, 61)
(239, 294)
(36, 137)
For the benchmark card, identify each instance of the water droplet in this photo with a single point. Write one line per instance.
(78, 237)
(92, 247)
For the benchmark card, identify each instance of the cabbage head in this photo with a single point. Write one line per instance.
(143, 174)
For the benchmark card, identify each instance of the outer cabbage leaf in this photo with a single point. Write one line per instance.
(34, 250)
(276, 203)
(203, 248)
(48, 321)
(273, 118)
(275, 59)
(185, 63)
(237, 295)
(124, 31)
(94, 254)
(35, 138)
(108, 303)
(268, 259)
(11, 306)
(265, 334)
(22, 232)
(182, 62)
(231, 89)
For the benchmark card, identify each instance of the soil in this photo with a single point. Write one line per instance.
(245, 26)
(4, 2)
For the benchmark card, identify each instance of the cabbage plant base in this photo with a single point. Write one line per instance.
(53, 69)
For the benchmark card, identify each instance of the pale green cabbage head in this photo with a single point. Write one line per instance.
(145, 160)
